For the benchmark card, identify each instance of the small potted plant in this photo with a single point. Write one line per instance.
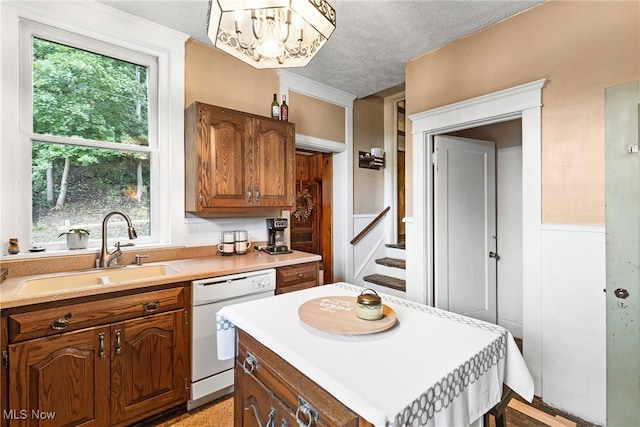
(77, 238)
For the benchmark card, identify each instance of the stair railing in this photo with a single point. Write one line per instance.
(370, 226)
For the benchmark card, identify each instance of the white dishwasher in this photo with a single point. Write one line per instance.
(212, 378)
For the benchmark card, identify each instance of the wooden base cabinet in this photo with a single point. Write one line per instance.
(296, 277)
(64, 379)
(132, 364)
(151, 369)
(269, 391)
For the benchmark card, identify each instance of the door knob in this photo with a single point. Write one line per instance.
(621, 293)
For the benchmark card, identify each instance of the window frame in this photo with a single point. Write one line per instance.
(28, 31)
(104, 30)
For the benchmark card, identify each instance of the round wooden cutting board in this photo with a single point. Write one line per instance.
(337, 314)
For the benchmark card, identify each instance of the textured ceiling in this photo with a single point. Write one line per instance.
(372, 41)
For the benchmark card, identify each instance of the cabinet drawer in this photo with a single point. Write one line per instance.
(296, 274)
(296, 287)
(291, 387)
(69, 317)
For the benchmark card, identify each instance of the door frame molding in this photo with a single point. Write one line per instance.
(342, 154)
(391, 158)
(520, 102)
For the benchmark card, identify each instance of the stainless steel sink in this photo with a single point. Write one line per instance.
(101, 277)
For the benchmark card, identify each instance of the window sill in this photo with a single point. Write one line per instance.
(28, 264)
(91, 250)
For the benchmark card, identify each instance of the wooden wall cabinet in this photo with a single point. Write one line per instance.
(269, 391)
(98, 362)
(236, 161)
(296, 277)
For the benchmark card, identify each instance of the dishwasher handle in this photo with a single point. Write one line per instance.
(209, 282)
(234, 277)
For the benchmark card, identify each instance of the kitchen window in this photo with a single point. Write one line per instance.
(92, 122)
(90, 146)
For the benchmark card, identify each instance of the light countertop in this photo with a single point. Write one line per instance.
(432, 367)
(187, 270)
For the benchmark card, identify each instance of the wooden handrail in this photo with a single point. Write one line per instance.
(370, 225)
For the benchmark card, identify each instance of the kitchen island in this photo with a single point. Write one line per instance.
(432, 367)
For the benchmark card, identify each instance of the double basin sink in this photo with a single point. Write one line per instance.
(99, 277)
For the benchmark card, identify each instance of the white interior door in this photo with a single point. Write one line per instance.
(465, 227)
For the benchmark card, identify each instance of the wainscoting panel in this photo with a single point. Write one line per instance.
(573, 320)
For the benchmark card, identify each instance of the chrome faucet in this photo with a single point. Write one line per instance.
(106, 257)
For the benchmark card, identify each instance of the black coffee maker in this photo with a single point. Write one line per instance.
(277, 240)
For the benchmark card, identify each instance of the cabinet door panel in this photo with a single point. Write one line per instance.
(274, 163)
(258, 406)
(63, 379)
(224, 158)
(149, 364)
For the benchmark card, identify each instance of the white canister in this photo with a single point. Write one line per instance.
(226, 248)
(242, 243)
(227, 243)
(242, 247)
(227, 237)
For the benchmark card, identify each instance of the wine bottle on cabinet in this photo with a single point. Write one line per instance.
(284, 109)
(275, 108)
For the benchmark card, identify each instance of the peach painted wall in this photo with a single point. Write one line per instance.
(317, 118)
(368, 132)
(581, 48)
(215, 77)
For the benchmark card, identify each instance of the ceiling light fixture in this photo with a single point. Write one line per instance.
(271, 33)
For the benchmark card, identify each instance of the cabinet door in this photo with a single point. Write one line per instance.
(149, 365)
(254, 404)
(258, 406)
(274, 163)
(63, 379)
(223, 159)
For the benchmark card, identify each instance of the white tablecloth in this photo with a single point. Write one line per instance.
(433, 368)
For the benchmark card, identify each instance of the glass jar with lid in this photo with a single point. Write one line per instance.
(369, 305)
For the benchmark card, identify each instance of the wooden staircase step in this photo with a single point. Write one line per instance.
(386, 281)
(399, 245)
(392, 262)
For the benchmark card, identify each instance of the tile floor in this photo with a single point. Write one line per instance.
(218, 413)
